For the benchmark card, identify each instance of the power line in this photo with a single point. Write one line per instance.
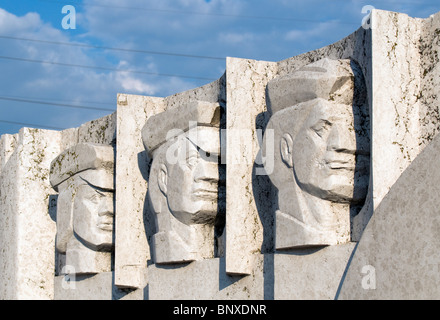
(56, 100)
(30, 125)
(54, 104)
(84, 45)
(194, 12)
(104, 68)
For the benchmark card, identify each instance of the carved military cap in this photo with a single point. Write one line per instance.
(331, 80)
(171, 123)
(94, 162)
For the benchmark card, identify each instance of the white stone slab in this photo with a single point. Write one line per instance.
(132, 250)
(205, 280)
(397, 256)
(95, 287)
(28, 230)
(310, 274)
(246, 104)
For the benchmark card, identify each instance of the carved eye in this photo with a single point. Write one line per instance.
(97, 196)
(321, 127)
(193, 159)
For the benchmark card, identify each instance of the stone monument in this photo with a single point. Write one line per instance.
(309, 178)
(321, 148)
(84, 177)
(186, 182)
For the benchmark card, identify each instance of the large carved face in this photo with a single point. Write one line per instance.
(93, 213)
(191, 184)
(326, 154)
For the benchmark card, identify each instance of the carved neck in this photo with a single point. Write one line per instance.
(178, 242)
(321, 215)
(83, 260)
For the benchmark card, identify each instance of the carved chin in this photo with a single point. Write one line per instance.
(98, 239)
(331, 190)
(204, 213)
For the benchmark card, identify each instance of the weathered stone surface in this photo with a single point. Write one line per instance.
(429, 48)
(27, 230)
(8, 144)
(83, 157)
(101, 131)
(399, 116)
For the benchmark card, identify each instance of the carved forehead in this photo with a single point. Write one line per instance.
(331, 112)
(293, 119)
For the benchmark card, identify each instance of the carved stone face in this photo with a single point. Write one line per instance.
(191, 185)
(93, 213)
(325, 151)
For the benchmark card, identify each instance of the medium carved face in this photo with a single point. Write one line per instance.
(93, 213)
(192, 183)
(326, 155)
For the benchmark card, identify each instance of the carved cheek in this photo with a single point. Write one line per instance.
(307, 158)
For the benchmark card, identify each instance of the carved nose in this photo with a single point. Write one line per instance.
(207, 172)
(106, 206)
(341, 140)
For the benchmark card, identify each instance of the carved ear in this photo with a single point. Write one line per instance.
(162, 179)
(286, 148)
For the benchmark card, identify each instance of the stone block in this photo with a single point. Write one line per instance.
(248, 199)
(310, 274)
(92, 287)
(28, 230)
(100, 131)
(206, 280)
(132, 221)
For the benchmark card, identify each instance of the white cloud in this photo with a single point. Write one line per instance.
(319, 30)
(11, 23)
(131, 84)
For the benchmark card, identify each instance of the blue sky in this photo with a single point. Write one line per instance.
(44, 78)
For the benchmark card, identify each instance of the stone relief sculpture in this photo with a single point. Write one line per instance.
(84, 177)
(186, 183)
(321, 149)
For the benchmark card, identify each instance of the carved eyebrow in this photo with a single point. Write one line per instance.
(196, 146)
(100, 193)
(198, 149)
(97, 189)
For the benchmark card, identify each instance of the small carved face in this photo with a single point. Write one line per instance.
(93, 213)
(192, 184)
(325, 154)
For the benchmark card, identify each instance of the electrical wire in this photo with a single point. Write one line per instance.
(30, 125)
(105, 68)
(289, 19)
(84, 45)
(54, 104)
